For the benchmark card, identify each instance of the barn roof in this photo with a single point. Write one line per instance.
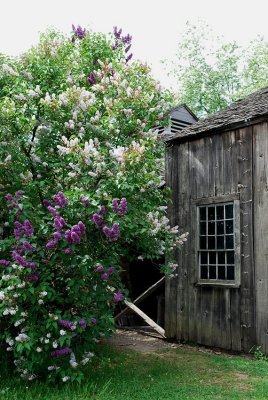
(244, 112)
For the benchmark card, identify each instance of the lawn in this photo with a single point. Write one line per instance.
(172, 374)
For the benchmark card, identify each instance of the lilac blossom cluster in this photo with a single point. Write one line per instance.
(74, 234)
(92, 78)
(79, 32)
(84, 201)
(24, 229)
(121, 207)
(60, 200)
(14, 202)
(4, 263)
(34, 275)
(113, 233)
(105, 274)
(118, 297)
(126, 40)
(61, 352)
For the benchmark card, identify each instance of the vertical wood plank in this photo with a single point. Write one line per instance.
(260, 168)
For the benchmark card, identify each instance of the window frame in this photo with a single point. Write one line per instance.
(214, 201)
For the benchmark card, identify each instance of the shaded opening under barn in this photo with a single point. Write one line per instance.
(139, 276)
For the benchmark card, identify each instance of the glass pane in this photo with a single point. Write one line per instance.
(204, 257)
(229, 211)
(203, 213)
(203, 228)
(211, 242)
(211, 213)
(212, 257)
(220, 242)
(212, 272)
(204, 272)
(203, 242)
(211, 228)
(221, 272)
(220, 228)
(230, 257)
(229, 226)
(230, 272)
(220, 212)
(221, 257)
(229, 241)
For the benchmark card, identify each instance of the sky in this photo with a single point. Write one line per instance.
(155, 25)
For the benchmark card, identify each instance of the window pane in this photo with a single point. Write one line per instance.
(211, 213)
(203, 228)
(204, 257)
(220, 242)
(211, 242)
(204, 272)
(211, 228)
(229, 241)
(203, 213)
(230, 272)
(229, 211)
(212, 272)
(220, 228)
(221, 272)
(230, 257)
(229, 226)
(220, 212)
(221, 257)
(212, 257)
(203, 242)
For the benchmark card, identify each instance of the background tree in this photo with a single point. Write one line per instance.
(211, 73)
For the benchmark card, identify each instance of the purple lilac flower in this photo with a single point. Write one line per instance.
(68, 250)
(115, 206)
(23, 230)
(102, 210)
(79, 32)
(57, 235)
(82, 323)
(27, 245)
(18, 258)
(113, 233)
(117, 33)
(127, 39)
(84, 200)
(61, 352)
(33, 277)
(19, 193)
(99, 268)
(75, 237)
(9, 197)
(105, 276)
(57, 224)
(129, 58)
(5, 263)
(92, 78)
(93, 321)
(51, 244)
(110, 270)
(128, 48)
(47, 203)
(118, 297)
(53, 211)
(66, 324)
(123, 205)
(98, 221)
(60, 200)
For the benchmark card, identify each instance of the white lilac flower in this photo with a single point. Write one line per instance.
(22, 337)
(48, 335)
(55, 344)
(65, 378)
(40, 301)
(62, 332)
(38, 349)
(2, 295)
(43, 294)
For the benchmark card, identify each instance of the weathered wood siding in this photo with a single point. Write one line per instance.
(260, 156)
(212, 166)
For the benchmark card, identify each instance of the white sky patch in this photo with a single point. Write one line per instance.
(156, 26)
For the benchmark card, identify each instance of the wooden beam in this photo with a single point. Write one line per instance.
(141, 297)
(147, 319)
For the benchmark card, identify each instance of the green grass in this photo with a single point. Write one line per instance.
(171, 374)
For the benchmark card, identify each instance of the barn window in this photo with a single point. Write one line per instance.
(218, 243)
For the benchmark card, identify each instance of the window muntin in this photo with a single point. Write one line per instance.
(217, 243)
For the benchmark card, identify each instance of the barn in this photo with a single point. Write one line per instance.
(218, 171)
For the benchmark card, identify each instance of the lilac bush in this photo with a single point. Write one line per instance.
(81, 166)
